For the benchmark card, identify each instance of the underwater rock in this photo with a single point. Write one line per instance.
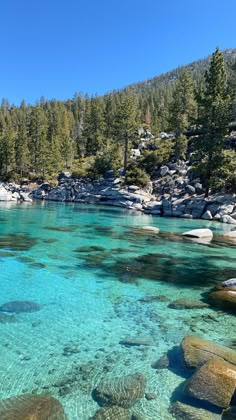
(150, 299)
(19, 306)
(4, 318)
(161, 363)
(148, 229)
(187, 304)
(230, 235)
(229, 414)
(92, 248)
(199, 233)
(112, 413)
(70, 350)
(123, 391)
(214, 382)
(137, 341)
(31, 407)
(150, 396)
(182, 411)
(196, 351)
(225, 299)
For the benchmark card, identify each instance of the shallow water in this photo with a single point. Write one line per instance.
(90, 270)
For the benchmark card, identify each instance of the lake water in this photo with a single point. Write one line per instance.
(90, 271)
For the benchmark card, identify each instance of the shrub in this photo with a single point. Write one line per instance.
(136, 176)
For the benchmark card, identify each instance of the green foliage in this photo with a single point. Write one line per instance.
(182, 111)
(214, 117)
(136, 176)
(125, 123)
(151, 160)
(77, 134)
(110, 159)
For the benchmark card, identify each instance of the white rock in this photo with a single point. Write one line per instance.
(231, 234)
(199, 233)
(207, 215)
(228, 219)
(150, 229)
(229, 283)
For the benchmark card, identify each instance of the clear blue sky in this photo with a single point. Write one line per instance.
(54, 48)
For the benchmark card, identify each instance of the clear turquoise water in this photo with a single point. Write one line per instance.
(91, 300)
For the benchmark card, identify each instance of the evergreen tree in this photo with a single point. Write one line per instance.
(21, 147)
(182, 111)
(125, 125)
(39, 145)
(7, 142)
(215, 111)
(94, 126)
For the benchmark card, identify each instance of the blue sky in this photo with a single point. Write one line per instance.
(54, 48)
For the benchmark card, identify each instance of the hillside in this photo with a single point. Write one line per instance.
(196, 69)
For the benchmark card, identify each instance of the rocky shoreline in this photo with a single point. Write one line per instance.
(170, 196)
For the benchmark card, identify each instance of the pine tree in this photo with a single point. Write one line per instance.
(21, 147)
(215, 112)
(182, 111)
(39, 145)
(94, 126)
(125, 125)
(7, 142)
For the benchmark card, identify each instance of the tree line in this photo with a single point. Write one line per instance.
(90, 135)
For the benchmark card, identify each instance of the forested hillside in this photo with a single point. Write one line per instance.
(90, 135)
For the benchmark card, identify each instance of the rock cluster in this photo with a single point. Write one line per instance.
(13, 192)
(172, 194)
(213, 381)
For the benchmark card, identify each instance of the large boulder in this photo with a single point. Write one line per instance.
(225, 299)
(199, 233)
(112, 413)
(31, 407)
(214, 382)
(123, 391)
(196, 351)
(182, 411)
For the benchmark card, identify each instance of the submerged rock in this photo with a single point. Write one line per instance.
(196, 351)
(182, 411)
(230, 235)
(112, 413)
(214, 382)
(4, 318)
(137, 341)
(161, 363)
(187, 304)
(31, 407)
(229, 414)
(123, 391)
(148, 229)
(150, 299)
(19, 306)
(225, 299)
(199, 233)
